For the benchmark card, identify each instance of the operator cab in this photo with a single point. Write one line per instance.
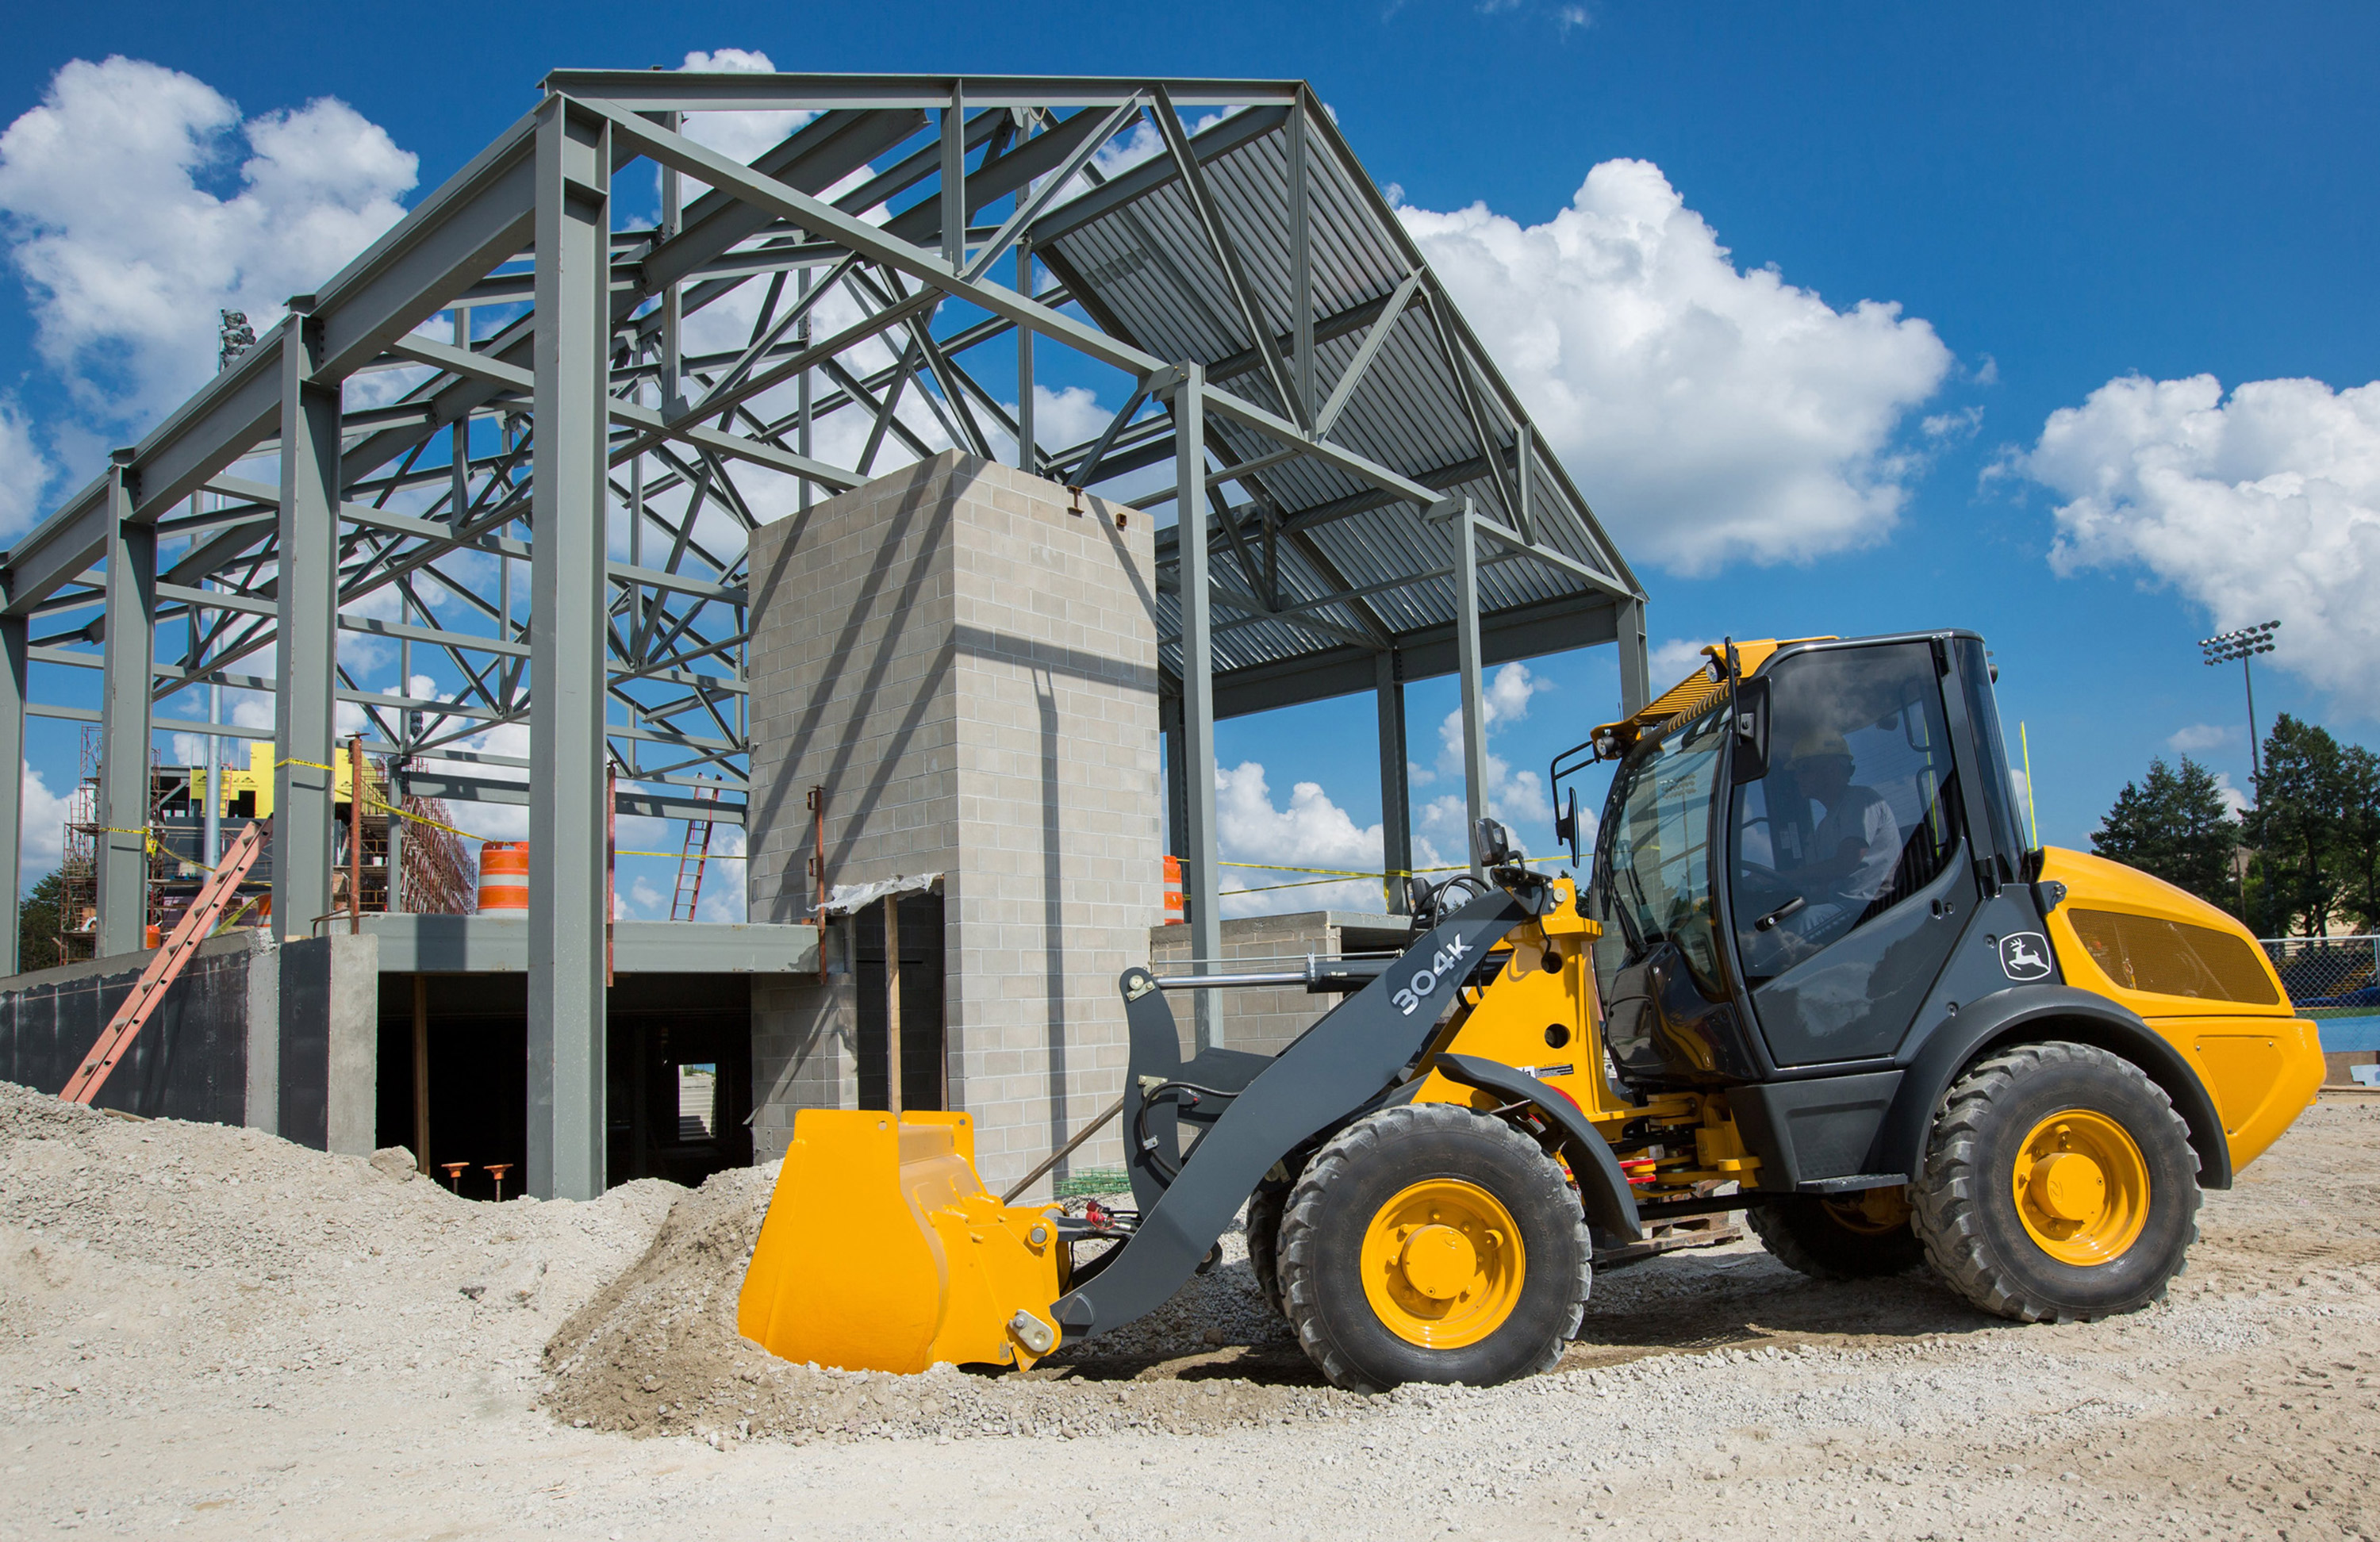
(1788, 855)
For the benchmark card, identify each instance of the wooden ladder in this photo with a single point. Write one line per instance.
(166, 966)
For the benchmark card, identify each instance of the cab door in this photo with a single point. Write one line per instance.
(1849, 883)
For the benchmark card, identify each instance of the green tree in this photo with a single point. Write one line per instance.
(2359, 844)
(2175, 826)
(2299, 827)
(37, 924)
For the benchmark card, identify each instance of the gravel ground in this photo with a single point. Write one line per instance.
(213, 1334)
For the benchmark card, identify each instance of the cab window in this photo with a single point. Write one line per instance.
(1855, 812)
(1654, 875)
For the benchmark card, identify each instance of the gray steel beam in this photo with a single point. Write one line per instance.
(1520, 632)
(730, 91)
(304, 787)
(518, 795)
(1635, 662)
(1201, 875)
(121, 841)
(826, 220)
(1227, 256)
(568, 893)
(1158, 170)
(1396, 787)
(13, 630)
(1475, 705)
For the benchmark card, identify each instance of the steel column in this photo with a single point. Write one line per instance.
(1635, 662)
(1396, 791)
(1177, 808)
(1474, 703)
(1201, 878)
(1026, 461)
(12, 783)
(566, 821)
(122, 842)
(304, 787)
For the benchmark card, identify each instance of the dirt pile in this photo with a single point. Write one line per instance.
(656, 1351)
(135, 1256)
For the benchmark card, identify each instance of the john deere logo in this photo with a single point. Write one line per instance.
(2024, 955)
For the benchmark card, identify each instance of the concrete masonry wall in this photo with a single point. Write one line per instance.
(968, 666)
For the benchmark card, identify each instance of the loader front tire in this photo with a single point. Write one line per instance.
(1856, 1237)
(1264, 1239)
(1428, 1243)
(2059, 1186)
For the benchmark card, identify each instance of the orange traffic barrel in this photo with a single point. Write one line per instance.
(504, 876)
(1173, 916)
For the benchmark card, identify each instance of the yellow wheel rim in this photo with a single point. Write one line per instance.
(2082, 1187)
(1872, 1213)
(1443, 1264)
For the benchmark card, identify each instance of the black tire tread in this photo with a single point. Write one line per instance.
(1946, 1221)
(1348, 1149)
(1784, 1230)
(1264, 1240)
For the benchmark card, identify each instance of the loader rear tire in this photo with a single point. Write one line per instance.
(2059, 1186)
(1857, 1236)
(1428, 1243)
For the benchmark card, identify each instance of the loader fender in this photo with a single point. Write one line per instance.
(1336, 1068)
(2041, 1011)
(1602, 1187)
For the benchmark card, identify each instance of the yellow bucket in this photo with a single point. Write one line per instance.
(883, 1251)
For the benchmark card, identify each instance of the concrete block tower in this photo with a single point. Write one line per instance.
(964, 657)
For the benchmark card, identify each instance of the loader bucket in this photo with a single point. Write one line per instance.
(883, 1251)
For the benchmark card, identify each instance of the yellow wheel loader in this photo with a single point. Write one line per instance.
(1817, 975)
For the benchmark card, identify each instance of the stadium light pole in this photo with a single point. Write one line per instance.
(2244, 645)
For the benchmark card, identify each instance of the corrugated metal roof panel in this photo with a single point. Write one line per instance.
(1148, 265)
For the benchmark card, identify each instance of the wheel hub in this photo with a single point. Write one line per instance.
(2082, 1187)
(2070, 1187)
(1442, 1263)
(1439, 1262)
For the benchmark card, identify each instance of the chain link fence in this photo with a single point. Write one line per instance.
(2328, 977)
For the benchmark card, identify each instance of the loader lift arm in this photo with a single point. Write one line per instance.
(1350, 1060)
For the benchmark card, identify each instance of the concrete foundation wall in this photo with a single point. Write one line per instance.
(280, 1036)
(968, 667)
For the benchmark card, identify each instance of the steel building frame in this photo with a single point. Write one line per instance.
(505, 379)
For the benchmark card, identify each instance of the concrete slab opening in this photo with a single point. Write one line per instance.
(678, 1061)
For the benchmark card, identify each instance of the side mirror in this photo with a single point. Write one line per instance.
(1491, 843)
(1751, 730)
(1566, 823)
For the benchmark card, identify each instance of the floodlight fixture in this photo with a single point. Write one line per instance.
(2243, 645)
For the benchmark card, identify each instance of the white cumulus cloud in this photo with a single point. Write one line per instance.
(42, 827)
(1310, 831)
(2199, 736)
(2262, 505)
(132, 225)
(24, 471)
(1709, 413)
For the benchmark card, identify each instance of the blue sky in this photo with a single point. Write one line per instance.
(2059, 197)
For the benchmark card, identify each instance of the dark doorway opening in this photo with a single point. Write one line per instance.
(923, 1083)
(678, 1064)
